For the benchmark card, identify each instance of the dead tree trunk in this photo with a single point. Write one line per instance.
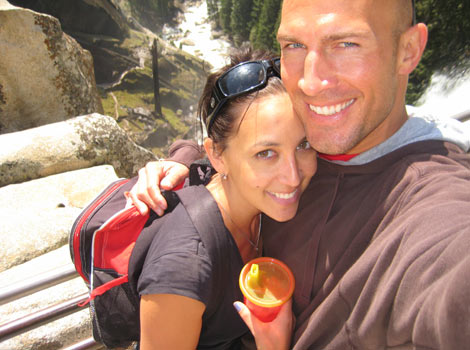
(156, 80)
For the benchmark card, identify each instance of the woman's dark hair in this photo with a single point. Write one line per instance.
(224, 125)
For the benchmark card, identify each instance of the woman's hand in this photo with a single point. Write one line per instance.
(155, 175)
(272, 335)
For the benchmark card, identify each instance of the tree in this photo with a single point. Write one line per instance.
(213, 11)
(448, 49)
(239, 21)
(254, 17)
(276, 47)
(265, 27)
(225, 13)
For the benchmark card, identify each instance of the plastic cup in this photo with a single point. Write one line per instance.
(266, 284)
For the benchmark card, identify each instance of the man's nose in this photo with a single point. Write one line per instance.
(317, 74)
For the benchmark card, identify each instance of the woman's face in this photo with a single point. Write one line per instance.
(268, 161)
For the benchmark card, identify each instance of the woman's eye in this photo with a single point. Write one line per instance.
(265, 154)
(304, 145)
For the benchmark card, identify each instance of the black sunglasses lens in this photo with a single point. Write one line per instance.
(242, 78)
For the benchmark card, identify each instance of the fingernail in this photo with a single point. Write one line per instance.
(159, 212)
(237, 306)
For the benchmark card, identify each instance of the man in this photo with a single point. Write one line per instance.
(379, 246)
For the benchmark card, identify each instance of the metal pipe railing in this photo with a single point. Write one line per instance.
(462, 116)
(41, 317)
(37, 283)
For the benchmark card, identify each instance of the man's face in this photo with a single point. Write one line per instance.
(339, 65)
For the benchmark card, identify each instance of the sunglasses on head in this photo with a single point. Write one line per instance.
(243, 78)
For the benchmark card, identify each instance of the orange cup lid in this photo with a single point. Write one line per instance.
(267, 282)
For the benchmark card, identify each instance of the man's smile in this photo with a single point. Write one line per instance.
(330, 110)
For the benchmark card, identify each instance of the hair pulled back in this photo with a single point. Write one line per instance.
(225, 125)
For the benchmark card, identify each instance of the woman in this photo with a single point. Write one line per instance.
(263, 162)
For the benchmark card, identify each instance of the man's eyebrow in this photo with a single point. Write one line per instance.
(285, 37)
(330, 37)
(347, 34)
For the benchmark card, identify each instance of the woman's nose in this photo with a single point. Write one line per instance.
(290, 172)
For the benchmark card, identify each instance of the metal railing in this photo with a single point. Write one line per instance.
(26, 323)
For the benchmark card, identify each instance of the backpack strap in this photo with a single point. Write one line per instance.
(203, 211)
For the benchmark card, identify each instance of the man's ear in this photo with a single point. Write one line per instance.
(214, 155)
(411, 48)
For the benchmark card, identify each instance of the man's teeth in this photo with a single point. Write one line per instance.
(284, 195)
(330, 110)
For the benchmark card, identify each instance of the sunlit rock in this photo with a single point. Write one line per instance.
(45, 75)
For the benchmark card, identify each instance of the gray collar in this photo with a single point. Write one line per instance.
(418, 128)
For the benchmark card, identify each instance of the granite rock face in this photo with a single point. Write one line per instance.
(45, 75)
(76, 143)
(37, 216)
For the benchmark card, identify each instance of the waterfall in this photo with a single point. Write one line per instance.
(195, 36)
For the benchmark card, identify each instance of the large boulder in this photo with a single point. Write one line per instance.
(76, 143)
(98, 25)
(102, 16)
(45, 75)
(37, 216)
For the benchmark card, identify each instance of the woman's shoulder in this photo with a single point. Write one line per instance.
(176, 233)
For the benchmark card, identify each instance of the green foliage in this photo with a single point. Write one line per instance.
(448, 48)
(266, 25)
(239, 21)
(225, 14)
(213, 11)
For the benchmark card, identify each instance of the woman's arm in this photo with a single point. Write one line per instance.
(169, 321)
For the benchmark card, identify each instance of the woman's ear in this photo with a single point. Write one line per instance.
(214, 155)
(411, 48)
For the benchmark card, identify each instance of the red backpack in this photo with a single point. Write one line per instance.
(108, 245)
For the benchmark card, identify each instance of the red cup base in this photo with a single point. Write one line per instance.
(264, 314)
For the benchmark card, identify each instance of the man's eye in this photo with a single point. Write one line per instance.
(265, 154)
(304, 145)
(348, 44)
(295, 46)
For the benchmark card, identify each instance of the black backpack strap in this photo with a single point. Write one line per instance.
(142, 245)
(205, 215)
(200, 172)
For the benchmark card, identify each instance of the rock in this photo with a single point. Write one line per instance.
(159, 138)
(55, 335)
(77, 143)
(102, 16)
(37, 216)
(45, 76)
(188, 42)
(98, 25)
